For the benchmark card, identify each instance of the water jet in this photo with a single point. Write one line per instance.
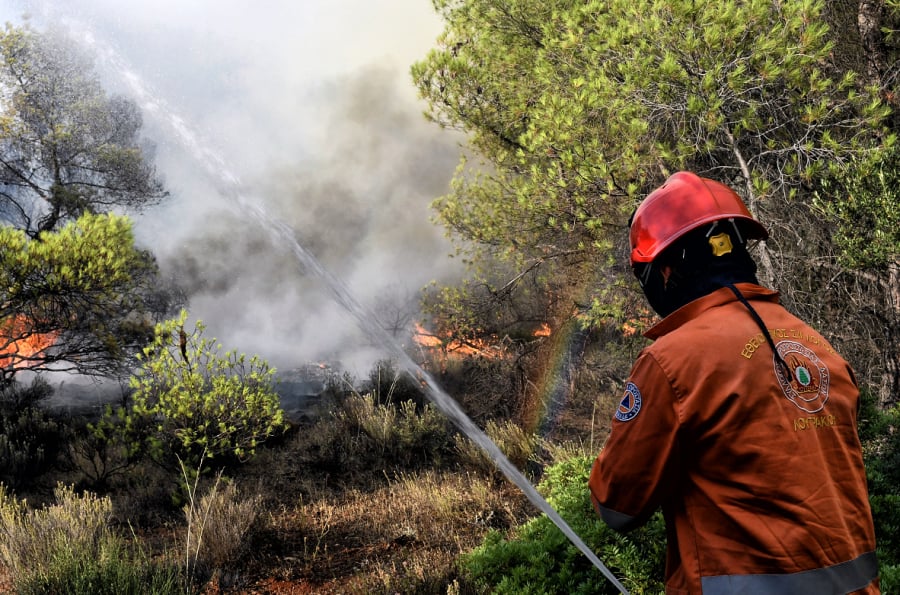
(229, 185)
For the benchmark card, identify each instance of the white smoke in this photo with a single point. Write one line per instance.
(311, 106)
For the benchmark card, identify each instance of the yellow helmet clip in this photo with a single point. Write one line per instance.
(721, 244)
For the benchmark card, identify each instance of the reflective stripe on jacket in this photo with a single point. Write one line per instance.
(758, 470)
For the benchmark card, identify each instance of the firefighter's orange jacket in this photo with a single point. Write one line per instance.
(759, 473)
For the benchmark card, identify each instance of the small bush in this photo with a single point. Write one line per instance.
(538, 558)
(68, 547)
(98, 452)
(16, 397)
(389, 385)
(880, 434)
(30, 440)
(867, 226)
(191, 401)
(514, 442)
(397, 434)
(890, 577)
(117, 571)
(218, 527)
(32, 538)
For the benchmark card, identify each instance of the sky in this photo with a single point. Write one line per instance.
(304, 107)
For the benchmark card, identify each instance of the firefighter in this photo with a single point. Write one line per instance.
(738, 421)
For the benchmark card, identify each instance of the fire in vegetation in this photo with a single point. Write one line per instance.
(447, 347)
(543, 330)
(20, 342)
(638, 324)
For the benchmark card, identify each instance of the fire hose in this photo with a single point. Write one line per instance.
(443, 401)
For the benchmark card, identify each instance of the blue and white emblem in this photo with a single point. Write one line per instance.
(630, 405)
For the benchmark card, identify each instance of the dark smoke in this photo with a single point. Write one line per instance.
(360, 204)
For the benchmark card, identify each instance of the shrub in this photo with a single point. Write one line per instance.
(538, 558)
(401, 434)
(68, 547)
(880, 434)
(218, 525)
(191, 401)
(98, 452)
(389, 385)
(16, 397)
(514, 442)
(30, 440)
(867, 222)
(117, 571)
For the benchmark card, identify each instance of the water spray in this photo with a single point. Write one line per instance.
(339, 291)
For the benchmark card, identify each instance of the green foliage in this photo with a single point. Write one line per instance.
(192, 401)
(576, 107)
(68, 547)
(889, 577)
(539, 558)
(74, 296)
(70, 153)
(117, 571)
(30, 441)
(97, 452)
(382, 434)
(574, 110)
(880, 434)
(862, 204)
(89, 258)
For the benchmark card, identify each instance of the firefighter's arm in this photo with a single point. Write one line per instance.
(629, 476)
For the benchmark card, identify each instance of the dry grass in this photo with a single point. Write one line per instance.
(518, 445)
(69, 547)
(218, 525)
(401, 537)
(31, 537)
(370, 498)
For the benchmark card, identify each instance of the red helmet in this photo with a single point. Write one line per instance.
(685, 202)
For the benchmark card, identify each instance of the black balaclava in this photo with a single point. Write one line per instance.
(700, 262)
(700, 265)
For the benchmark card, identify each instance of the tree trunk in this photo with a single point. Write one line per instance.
(766, 271)
(869, 19)
(890, 384)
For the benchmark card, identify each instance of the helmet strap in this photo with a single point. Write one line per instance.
(644, 276)
(762, 326)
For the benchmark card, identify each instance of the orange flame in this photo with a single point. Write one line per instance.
(638, 324)
(543, 330)
(456, 347)
(425, 339)
(19, 341)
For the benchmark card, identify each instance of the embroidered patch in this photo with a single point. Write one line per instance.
(807, 386)
(630, 405)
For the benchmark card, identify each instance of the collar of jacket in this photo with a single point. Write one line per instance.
(719, 297)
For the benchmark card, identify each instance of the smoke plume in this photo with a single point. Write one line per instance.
(310, 105)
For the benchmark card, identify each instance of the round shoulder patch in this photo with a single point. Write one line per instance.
(630, 405)
(807, 386)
